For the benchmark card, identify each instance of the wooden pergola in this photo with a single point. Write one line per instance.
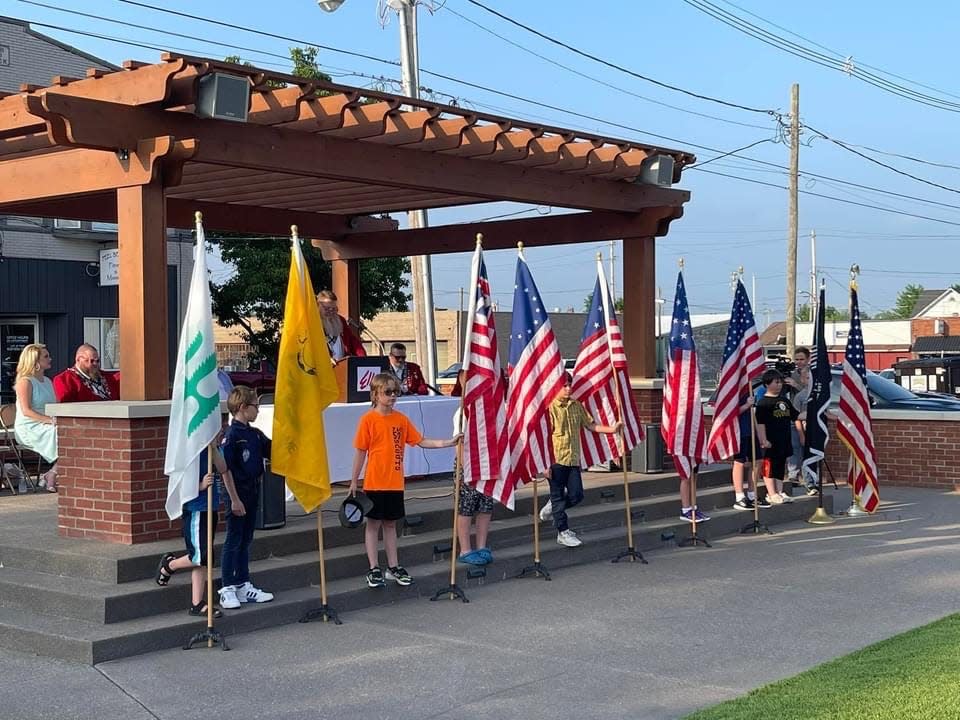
(129, 147)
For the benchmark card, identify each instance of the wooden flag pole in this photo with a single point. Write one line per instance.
(694, 539)
(324, 612)
(537, 569)
(210, 634)
(630, 552)
(453, 591)
(755, 527)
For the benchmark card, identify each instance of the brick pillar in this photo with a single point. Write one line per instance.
(112, 486)
(648, 394)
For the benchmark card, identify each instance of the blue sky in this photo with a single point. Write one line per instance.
(728, 222)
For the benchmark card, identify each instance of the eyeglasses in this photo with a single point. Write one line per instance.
(391, 392)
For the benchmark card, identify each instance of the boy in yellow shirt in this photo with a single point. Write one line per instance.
(567, 417)
(381, 438)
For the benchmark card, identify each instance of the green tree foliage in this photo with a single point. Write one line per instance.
(906, 300)
(588, 301)
(258, 287)
(804, 314)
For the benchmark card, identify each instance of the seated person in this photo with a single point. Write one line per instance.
(34, 429)
(342, 341)
(407, 374)
(84, 382)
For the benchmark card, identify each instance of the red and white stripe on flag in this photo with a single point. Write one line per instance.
(855, 429)
(485, 456)
(599, 376)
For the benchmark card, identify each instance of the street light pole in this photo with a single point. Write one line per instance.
(421, 274)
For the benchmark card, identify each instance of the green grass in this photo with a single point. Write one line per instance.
(915, 675)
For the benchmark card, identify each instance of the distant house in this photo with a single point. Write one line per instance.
(885, 341)
(935, 325)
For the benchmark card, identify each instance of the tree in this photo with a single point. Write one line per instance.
(258, 288)
(831, 313)
(588, 301)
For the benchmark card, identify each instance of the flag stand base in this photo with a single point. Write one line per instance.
(537, 570)
(324, 612)
(820, 517)
(693, 541)
(453, 591)
(209, 636)
(755, 528)
(634, 555)
(856, 511)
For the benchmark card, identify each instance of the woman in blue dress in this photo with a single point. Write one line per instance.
(33, 428)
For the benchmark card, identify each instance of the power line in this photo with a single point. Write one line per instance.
(835, 199)
(597, 80)
(847, 66)
(835, 52)
(615, 66)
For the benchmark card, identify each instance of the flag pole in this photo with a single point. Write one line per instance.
(694, 539)
(820, 515)
(210, 634)
(631, 552)
(453, 591)
(537, 569)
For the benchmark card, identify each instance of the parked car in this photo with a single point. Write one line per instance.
(887, 395)
(262, 377)
(450, 372)
(888, 374)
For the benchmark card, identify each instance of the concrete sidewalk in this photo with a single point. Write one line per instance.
(694, 627)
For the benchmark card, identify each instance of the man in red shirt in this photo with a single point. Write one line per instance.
(342, 341)
(84, 382)
(408, 374)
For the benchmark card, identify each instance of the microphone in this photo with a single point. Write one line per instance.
(356, 324)
(361, 328)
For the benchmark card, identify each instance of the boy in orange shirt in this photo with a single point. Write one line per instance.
(381, 436)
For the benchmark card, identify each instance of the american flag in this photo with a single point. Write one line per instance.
(485, 456)
(817, 435)
(853, 416)
(742, 362)
(600, 360)
(536, 376)
(682, 421)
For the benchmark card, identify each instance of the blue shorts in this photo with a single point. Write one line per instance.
(745, 454)
(195, 535)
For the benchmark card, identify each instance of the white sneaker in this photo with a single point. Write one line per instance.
(249, 594)
(775, 499)
(228, 598)
(546, 512)
(786, 498)
(568, 539)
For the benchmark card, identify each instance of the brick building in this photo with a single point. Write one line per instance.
(935, 326)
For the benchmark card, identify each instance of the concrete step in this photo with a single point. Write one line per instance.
(85, 641)
(95, 601)
(428, 502)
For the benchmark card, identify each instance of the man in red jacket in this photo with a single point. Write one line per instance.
(342, 341)
(84, 382)
(408, 374)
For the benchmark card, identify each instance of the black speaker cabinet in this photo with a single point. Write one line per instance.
(272, 507)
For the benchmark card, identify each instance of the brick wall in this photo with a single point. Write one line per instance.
(924, 327)
(113, 487)
(911, 450)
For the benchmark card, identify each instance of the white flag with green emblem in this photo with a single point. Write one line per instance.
(195, 406)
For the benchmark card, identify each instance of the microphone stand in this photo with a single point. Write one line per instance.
(361, 328)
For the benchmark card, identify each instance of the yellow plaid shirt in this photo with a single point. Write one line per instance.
(567, 417)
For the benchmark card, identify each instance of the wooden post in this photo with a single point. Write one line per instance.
(346, 286)
(639, 305)
(142, 234)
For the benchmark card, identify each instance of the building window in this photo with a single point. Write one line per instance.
(61, 224)
(104, 334)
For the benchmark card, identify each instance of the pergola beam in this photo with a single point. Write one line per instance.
(95, 124)
(558, 229)
(225, 217)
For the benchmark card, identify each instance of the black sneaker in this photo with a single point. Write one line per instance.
(743, 504)
(398, 574)
(763, 503)
(375, 578)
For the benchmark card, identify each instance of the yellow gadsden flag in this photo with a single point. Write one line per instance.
(305, 386)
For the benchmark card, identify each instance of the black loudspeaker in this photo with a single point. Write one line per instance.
(647, 456)
(272, 506)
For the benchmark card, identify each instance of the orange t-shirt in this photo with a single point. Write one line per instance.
(384, 437)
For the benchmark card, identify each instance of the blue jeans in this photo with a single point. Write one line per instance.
(235, 560)
(566, 490)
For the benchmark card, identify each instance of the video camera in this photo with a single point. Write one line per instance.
(785, 366)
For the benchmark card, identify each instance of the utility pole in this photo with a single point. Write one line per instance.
(753, 294)
(792, 211)
(814, 297)
(420, 270)
(613, 273)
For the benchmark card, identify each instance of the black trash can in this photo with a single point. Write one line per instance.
(272, 507)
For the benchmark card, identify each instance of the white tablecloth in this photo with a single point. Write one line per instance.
(433, 416)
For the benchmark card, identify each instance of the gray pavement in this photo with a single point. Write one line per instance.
(694, 627)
